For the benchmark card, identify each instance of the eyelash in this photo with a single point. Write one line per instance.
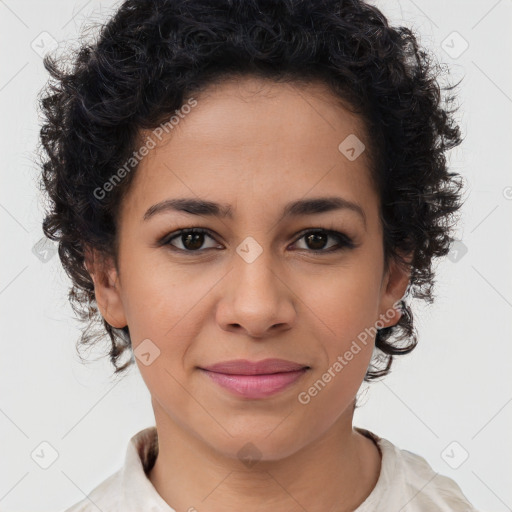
(344, 241)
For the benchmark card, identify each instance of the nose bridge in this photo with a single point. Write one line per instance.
(255, 266)
(257, 299)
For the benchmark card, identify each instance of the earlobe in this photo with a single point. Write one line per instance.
(106, 288)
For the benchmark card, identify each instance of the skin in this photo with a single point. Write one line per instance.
(255, 145)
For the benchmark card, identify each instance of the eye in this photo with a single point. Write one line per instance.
(192, 240)
(316, 240)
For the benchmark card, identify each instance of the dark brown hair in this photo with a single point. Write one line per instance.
(153, 54)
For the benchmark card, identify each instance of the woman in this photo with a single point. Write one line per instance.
(244, 194)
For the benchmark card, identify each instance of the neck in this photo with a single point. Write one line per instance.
(335, 473)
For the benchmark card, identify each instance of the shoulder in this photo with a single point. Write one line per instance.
(407, 482)
(105, 496)
(428, 489)
(129, 489)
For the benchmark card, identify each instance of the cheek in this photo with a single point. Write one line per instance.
(163, 307)
(348, 339)
(346, 310)
(158, 299)
(345, 301)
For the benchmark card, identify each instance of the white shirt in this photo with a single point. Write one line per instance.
(406, 483)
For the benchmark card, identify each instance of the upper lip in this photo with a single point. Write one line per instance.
(245, 367)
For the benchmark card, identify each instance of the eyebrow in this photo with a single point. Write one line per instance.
(298, 208)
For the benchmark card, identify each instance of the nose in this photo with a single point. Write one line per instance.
(257, 300)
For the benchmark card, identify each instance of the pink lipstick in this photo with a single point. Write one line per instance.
(255, 379)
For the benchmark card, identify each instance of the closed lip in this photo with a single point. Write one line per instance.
(264, 367)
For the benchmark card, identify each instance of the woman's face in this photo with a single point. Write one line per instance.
(258, 285)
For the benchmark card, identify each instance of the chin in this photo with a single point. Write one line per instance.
(258, 441)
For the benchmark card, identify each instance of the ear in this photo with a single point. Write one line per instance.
(106, 287)
(394, 285)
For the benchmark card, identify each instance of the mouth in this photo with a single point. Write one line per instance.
(255, 380)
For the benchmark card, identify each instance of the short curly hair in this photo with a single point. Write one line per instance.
(152, 55)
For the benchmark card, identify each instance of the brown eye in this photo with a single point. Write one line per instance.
(192, 240)
(316, 240)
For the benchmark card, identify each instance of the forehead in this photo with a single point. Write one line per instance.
(244, 111)
(252, 138)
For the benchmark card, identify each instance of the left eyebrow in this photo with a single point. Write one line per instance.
(298, 208)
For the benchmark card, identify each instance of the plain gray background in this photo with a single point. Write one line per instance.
(449, 401)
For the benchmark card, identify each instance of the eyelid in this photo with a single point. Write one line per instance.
(345, 241)
(176, 234)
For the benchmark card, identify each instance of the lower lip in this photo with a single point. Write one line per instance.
(256, 386)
